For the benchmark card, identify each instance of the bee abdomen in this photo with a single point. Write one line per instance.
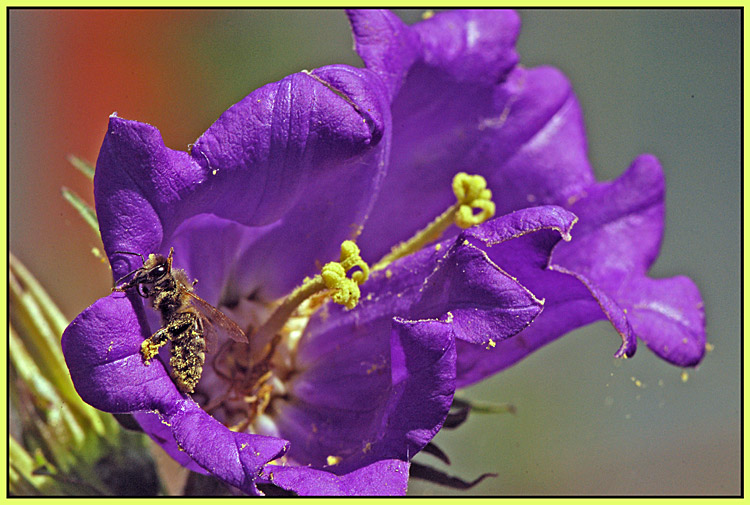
(188, 355)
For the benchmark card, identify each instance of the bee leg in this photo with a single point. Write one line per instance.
(150, 347)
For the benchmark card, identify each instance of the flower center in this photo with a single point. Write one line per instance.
(251, 376)
(256, 373)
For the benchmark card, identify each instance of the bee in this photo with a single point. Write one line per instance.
(188, 321)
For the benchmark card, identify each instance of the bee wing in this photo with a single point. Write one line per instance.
(217, 321)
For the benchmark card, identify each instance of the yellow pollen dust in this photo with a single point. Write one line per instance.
(333, 460)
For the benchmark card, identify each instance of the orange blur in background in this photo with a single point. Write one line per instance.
(69, 70)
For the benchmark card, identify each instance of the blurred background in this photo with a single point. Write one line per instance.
(659, 81)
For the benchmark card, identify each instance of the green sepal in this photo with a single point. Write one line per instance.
(59, 444)
(82, 165)
(39, 324)
(84, 209)
(485, 407)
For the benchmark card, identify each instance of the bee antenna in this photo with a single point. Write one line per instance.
(118, 281)
(143, 260)
(169, 258)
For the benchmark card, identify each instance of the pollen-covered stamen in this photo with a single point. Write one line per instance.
(342, 289)
(471, 194)
(256, 374)
(345, 290)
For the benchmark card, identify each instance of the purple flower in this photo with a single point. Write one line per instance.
(328, 400)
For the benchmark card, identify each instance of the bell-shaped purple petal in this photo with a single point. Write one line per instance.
(297, 161)
(273, 187)
(522, 129)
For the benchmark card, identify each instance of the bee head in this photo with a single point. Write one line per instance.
(154, 271)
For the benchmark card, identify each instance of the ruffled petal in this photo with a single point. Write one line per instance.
(568, 304)
(668, 316)
(485, 303)
(381, 478)
(522, 243)
(470, 46)
(386, 45)
(423, 370)
(235, 458)
(346, 418)
(297, 160)
(617, 240)
(353, 405)
(620, 226)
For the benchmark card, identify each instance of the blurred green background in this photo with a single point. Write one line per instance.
(659, 81)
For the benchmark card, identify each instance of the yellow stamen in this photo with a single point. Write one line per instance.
(471, 193)
(342, 289)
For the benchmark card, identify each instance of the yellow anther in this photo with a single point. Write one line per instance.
(345, 291)
(472, 193)
(350, 258)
